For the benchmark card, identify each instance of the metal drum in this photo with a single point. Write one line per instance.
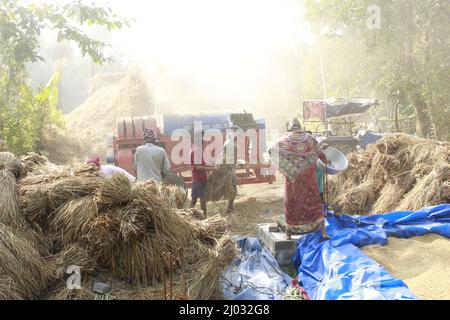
(339, 162)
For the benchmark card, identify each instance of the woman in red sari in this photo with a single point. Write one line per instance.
(296, 153)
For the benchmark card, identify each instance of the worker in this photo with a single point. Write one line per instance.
(199, 173)
(296, 153)
(320, 173)
(151, 161)
(227, 162)
(110, 170)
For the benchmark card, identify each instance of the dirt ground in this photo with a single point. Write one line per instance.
(255, 204)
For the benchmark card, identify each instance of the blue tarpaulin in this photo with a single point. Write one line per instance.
(336, 269)
(254, 275)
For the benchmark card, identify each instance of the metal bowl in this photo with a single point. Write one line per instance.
(339, 162)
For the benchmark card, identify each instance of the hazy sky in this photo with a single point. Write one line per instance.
(216, 53)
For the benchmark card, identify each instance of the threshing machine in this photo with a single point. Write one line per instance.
(130, 130)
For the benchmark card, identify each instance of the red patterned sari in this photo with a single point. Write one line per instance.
(297, 156)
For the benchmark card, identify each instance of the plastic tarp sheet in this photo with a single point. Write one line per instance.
(255, 275)
(368, 138)
(337, 269)
(336, 108)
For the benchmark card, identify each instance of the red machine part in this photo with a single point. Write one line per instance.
(129, 137)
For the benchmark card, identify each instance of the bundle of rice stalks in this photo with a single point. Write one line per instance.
(431, 190)
(115, 190)
(71, 255)
(220, 184)
(358, 200)
(39, 201)
(132, 224)
(31, 162)
(390, 197)
(141, 262)
(22, 269)
(9, 202)
(69, 220)
(34, 205)
(70, 188)
(100, 237)
(206, 284)
(148, 189)
(175, 196)
(87, 170)
(8, 161)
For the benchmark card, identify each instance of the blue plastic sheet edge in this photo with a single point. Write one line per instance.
(254, 275)
(337, 269)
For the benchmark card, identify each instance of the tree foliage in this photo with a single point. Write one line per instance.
(23, 111)
(406, 59)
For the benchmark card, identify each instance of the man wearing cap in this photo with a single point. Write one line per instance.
(150, 161)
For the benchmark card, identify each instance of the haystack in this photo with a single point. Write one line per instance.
(128, 97)
(399, 172)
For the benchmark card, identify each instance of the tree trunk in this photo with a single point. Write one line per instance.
(423, 119)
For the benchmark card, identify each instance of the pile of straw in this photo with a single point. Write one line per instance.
(399, 172)
(77, 216)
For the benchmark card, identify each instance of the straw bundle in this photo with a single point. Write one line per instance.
(9, 202)
(398, 172)
(206, 285)
(140, 263)
(100, 237)
(175, 196)
(115, 190)
(31, 162)
(431, 190)
(22, 269)
(69, 220)
(220, 184)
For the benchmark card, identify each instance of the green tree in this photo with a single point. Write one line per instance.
(25, 112)
(406, 59)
